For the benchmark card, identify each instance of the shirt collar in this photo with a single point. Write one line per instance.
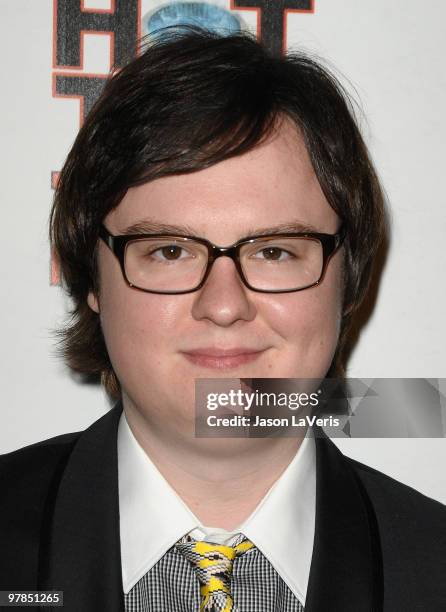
(282, 526)
(153, 516)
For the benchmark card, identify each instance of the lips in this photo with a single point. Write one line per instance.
(217, 358)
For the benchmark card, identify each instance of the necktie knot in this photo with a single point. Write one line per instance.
(213, 565)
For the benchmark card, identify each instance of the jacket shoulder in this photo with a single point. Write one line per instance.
(399, 499)
(26, 474)
(27, 461)
(29, 478)
(412, 535)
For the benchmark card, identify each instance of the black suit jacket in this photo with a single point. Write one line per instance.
(379, 545)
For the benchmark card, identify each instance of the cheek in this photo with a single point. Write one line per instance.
(308, 324)
(310, 317)
(137, 327)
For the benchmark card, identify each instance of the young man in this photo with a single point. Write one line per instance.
(217, 216)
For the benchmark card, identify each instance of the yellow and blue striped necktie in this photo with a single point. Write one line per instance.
(213, 566)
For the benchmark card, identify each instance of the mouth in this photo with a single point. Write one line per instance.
(221, 359)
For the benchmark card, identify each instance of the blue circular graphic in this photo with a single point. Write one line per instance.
(200, 14)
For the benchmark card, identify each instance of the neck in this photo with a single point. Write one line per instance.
(221, 480)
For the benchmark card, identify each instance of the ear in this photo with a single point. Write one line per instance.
(93, 301)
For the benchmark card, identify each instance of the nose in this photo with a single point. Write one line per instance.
(223, 299)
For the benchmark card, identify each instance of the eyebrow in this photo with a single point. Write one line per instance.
(283, 228)
(153, 227)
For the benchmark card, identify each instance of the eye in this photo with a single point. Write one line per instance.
(169, 252)
(272, 253)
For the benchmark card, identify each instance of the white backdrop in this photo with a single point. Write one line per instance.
(393, 56)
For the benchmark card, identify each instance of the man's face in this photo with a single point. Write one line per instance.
(150, 337)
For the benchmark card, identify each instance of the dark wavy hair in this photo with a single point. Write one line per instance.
(191, 99)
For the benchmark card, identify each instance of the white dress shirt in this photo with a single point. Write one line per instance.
(153, 516)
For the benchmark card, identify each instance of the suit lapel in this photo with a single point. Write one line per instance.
(82, 540)
(346, 567)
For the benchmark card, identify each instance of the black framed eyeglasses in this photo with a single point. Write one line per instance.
(174, 264)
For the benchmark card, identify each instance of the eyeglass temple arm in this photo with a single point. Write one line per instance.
(340, 236)
(106, 237)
